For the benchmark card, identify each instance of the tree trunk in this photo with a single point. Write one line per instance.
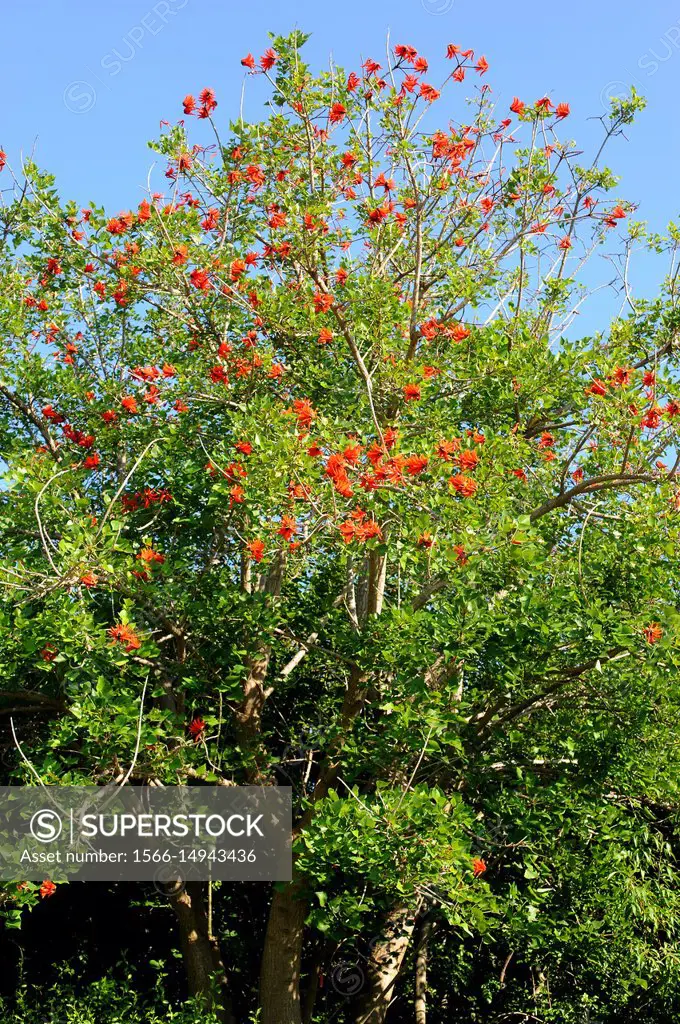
(385, 963)
(282, 955)
(206, 976)
(317, 967)
(421, 970)
(281, 958)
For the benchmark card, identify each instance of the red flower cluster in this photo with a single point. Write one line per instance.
(196, 728)
(149, 556)
(359, 528)
(255, 549)
(145, 499)
(207, 104)
(125, 635)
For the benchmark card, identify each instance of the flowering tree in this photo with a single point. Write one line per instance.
(303, 473)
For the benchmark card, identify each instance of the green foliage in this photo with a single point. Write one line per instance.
(307, 450)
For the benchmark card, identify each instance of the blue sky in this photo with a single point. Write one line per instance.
(87, 84)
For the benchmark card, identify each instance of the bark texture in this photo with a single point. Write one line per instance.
(281, 958)
(385, 964)
(422, 948)
(206, 976)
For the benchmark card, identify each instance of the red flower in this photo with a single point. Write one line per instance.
(125, 635)
(377, 215)
(236, 495)
(652, 418)
(148, 555)
(189, 104)
(236, 269)
(196, 727)
(446, 449)
(341, 276)
(415, 464)
(268, 59)
(304, 412)
(244, 447)
(478, 866)
(371, 67)
(406, 52)
(337, 113)
(47, 888)
(322, 302)
(248, 61)
(426, 540)
(49, 653)
(129, 403)
(359, 528)
(347, 531)
(277, 219)
(468, 459)
(428, 92)
(598, 387)
(621, 377)
(652, 633)
(256, 550)
(412, 392)
(461, 554)
(185, 162)
(464, 485)
(92, 461)
(207, 98)
(459, 332)
(200, 279)
(288, 527)
(517, 106)
(562, 110)
(482, 65)
(564, 243)
(255, 175)
(152, 395)
(88, 579)
(49, 414)
(325, 336)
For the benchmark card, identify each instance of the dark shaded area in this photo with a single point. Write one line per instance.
(95, 923)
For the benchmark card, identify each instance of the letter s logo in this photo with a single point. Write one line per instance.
(46, 826)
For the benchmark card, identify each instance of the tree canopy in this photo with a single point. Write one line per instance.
(306, 461)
